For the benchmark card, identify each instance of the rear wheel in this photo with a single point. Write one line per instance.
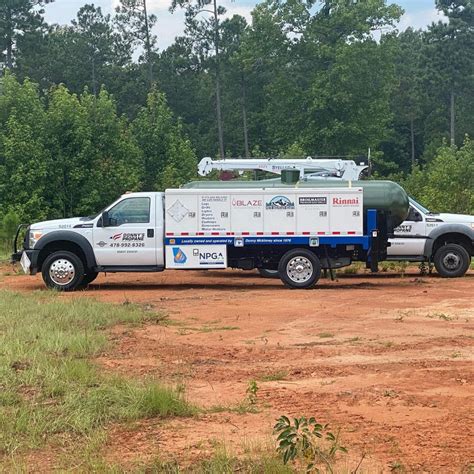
(63, 271)
(452, 261)
(299, 268)
(266, 273)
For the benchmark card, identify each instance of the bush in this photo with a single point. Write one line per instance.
(8, 226)
(445, 184)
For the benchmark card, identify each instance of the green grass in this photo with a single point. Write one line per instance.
(324, 335)
(223, 462)
(49, 386)
(274, 376)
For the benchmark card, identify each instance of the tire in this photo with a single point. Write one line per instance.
(299, 268)
(266, 273)
(63, 271)
(452, 261)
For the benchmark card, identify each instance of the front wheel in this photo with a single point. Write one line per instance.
(299, 268)
(452, 261)
(63, 271)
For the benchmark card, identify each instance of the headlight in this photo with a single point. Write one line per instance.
(472, 225)
(34, 236)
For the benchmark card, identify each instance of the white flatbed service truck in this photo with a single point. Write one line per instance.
(297, 231)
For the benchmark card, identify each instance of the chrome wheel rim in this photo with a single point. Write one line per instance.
(299, 269)
(451, 261)
(62, 272)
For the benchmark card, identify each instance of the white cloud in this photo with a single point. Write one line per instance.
(420, 19)
(170, 25)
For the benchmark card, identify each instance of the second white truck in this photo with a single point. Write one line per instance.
(446, 240)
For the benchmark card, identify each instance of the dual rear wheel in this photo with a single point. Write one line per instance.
(298, 268)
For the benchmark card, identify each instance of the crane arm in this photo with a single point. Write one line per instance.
(319, 168)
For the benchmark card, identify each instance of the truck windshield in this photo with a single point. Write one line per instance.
(420, 207)
(93, 216)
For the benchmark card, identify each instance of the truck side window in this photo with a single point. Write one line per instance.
(134, 210)
(414, 215)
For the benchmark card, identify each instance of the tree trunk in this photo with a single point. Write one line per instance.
(94, 80)
(9, 32)
(220, 127)
(453, 138)
(412, 138)
(244, 118)
(148, 46)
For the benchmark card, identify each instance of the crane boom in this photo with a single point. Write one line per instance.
(309, 167)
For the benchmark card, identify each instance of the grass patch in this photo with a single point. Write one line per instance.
(49, 386)
(185, 331)
(442, 316)
(324, 335)
(225, 463)
(222, 461)
(274, 376)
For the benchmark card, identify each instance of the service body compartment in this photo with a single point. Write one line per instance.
(336, 211)
(201, 224)
(196, 256)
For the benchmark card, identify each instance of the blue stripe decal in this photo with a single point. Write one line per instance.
(271, 240)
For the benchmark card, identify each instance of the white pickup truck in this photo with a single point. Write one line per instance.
(447, 240)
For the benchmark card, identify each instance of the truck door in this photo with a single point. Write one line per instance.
(130, 238)
(160, 229)
(410, 236)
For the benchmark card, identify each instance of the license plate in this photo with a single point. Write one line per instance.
(25, 263)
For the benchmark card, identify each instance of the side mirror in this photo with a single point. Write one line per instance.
(105, 219)
(417, 217)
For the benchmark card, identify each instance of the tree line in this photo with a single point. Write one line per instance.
(93, 108)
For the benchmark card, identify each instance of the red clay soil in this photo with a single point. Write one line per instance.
(386, 358)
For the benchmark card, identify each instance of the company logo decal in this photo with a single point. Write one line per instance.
(403, 228)
(179, 255)
(313, 200)
(129, 237)
(101, 243)
(246, 203)
(345, 202)
(178, 211)
(280, 202)
(211, 256)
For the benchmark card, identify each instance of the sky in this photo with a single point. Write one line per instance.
(418, 14)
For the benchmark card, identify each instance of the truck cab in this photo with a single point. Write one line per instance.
(126, 236)
(447, 240)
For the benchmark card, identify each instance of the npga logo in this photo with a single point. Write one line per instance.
(211, 257)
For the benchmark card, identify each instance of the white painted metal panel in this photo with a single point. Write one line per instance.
(346, 212)
(247, 212)
(181, 212)
(214, 212)
(264, 211)
(313, 212)
(196, 256)
(280, 212)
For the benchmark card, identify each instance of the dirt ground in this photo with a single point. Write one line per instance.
(387, 359)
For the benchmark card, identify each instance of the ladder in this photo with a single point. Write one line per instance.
(309, 168)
